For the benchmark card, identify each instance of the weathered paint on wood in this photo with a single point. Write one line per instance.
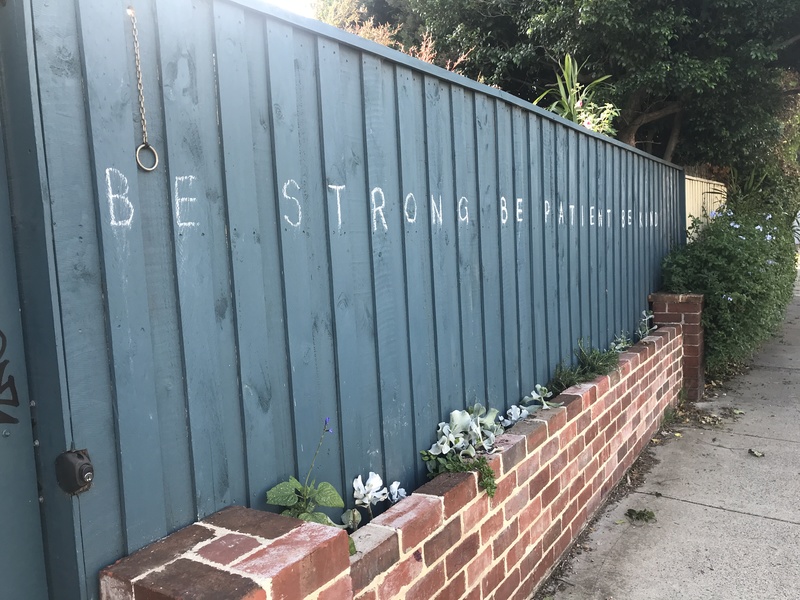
(335, 230)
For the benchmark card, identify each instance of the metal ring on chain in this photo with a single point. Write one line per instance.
(139, 162)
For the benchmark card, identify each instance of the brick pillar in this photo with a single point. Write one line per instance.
(686, 310)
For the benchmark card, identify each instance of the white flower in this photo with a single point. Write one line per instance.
(372, 493)
(396, 493)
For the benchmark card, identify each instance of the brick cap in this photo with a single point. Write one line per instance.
(665, 297)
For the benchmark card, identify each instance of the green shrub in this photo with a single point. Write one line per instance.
(744, 265)
(591, 363)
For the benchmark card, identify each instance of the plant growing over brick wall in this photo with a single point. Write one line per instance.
(459, 441)
(302, 499)
(744, 265)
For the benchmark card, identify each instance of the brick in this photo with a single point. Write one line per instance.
(532, 558)
(552, 534)
(558, 463)
(550, 492)
(530, 513)
(156, 554)
(505, 486)
(555, 418)
(572, 402)
(474, 594)
(228, 548)
(253, 522)
(399, 577)
(428, 585)
(517, 550)
(587, 391)
(456, 490)
(300, 562)
(510, 583)
(415, 519)
(528, 468)
(341, 589)
(516, 503)
(493, 578)
(549, 450)
(491, 527)
(505, 539)
(475, 513)
(512, 450)
(189, 579)
(462, 554)
(583, 422)
(440, 543)
(568, 433)
(377, 550)
(368, 595)
(539, 482)
(477, 567)
(534, 432)
(453, 589)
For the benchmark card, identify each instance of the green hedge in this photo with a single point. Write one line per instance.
(744, 265)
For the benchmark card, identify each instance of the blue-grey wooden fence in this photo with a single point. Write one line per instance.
(335, 230)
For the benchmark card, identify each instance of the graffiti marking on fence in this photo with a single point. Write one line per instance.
(117, 194)
(183, 184)
(7, 385)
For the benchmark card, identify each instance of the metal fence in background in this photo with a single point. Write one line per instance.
(702, 197)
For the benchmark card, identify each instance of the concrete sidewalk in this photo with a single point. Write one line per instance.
(727, 523)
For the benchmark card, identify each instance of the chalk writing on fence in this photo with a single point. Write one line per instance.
(566, 214)
(8, 389)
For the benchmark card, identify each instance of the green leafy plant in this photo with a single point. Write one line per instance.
(744, 264)
(621, 342)
(591, 362)
(575, 100)
(459, 441)
(646, 325)
(302, 499)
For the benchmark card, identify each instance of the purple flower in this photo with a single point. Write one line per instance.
(713, 214)
(759, 228)
(769, 217)
(735, 225)
(768, 237)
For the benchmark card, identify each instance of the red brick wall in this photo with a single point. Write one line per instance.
(448, 540)
(686, 310)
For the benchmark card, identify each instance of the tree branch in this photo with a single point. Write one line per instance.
(785, 43)
(674, 136)
(649, 117)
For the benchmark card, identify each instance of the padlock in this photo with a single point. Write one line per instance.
(74, 471)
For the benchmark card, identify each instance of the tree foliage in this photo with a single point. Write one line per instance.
(696, 80)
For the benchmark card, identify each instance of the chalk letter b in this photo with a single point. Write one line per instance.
(117, 199)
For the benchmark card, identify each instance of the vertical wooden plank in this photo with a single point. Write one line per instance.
(304, 248)
(522, 214)
(553, 221)
(508, 254)
(575, 282)
(48, 186)
(124, 287)
(566, 216)
(22, 559)
(444, 243)
(418, 269)
(586, 299)
(276, 360)
(621, 200)
(262, 382)
(159, 257)
(594, 255)
(383, 173)
(469, 251)
(351, 223)
(541, 226)
(201, 253)
(486, 141)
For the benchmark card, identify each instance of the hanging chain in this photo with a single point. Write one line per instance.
(145, 145)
